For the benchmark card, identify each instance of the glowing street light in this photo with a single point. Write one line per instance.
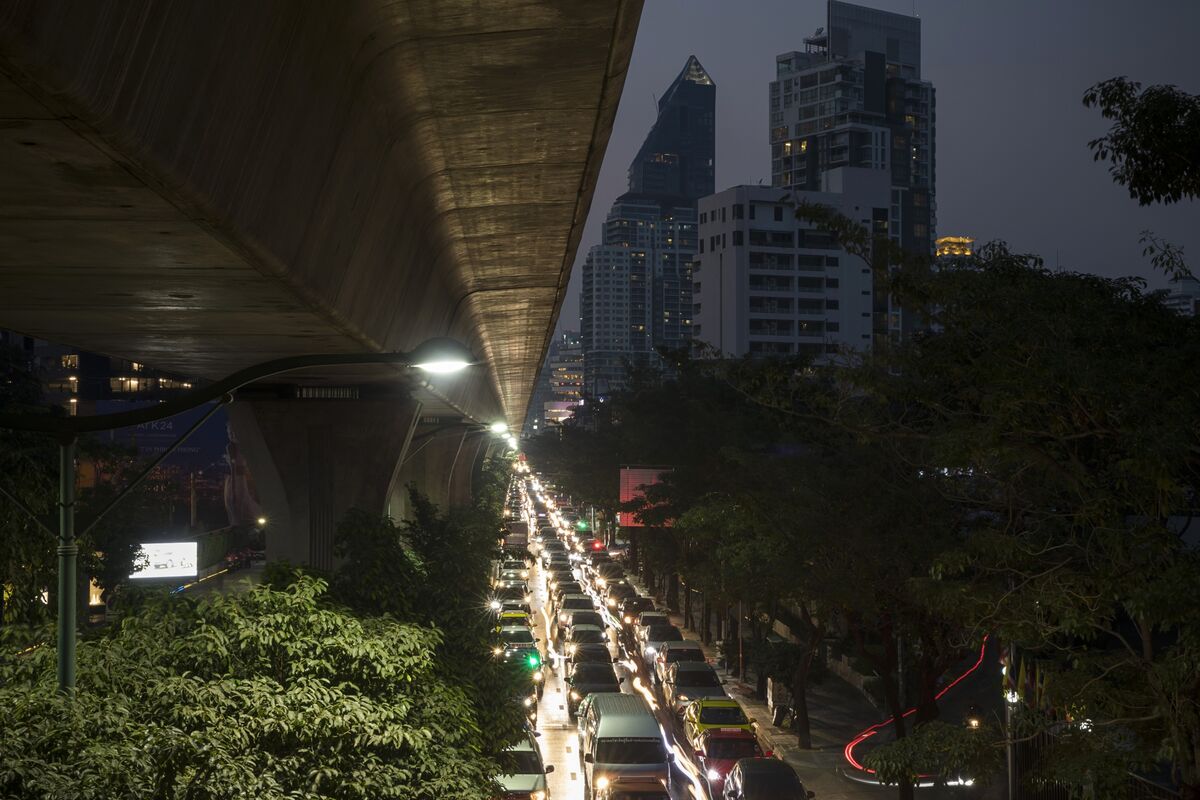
(442, 356)
(262, 522)
(498, 428)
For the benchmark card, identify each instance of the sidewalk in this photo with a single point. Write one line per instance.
(837, 713)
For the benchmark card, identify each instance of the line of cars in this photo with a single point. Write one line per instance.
(515, 640)
(588, 588)
(623, 750)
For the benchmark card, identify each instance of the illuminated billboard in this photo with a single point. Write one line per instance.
(165, 560)
(632, 479)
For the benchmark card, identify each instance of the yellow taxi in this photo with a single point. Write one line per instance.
(713, 713)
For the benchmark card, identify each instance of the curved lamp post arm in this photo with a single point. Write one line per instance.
(72, 426)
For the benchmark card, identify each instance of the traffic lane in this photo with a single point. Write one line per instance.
(559, 739)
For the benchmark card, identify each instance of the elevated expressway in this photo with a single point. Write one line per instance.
(202, 185)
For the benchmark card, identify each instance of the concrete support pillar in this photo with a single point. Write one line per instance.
(313, 460)
(442, 463)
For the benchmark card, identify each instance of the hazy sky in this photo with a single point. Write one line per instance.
(1012, 160)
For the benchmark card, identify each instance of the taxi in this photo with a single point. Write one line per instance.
(711, 713)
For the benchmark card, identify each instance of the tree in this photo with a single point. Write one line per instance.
(27, 471)
(268, 693)
(1153, 146)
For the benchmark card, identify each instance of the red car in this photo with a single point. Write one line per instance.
(719, 749)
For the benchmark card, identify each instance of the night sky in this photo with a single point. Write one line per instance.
(1012, 156)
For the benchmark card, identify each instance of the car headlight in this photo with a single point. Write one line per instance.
(497, 651)
(601, 582)
(529, 702)
(649, 651)
(628, 620)
(494, 605)
(575, 695)
(713, 775)
(537, 676)
(571, 648)
(524, 573)
(612, 602)
(562, 617)
(602, 783)
(683, 698)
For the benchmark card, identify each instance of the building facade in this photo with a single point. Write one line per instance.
(855, 98)
(1184, 296)
(636, 295)
(765, 283)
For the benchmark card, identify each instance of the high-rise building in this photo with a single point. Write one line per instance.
(855, 99)
(1184, 296)
(560, 383)
(637, 287)
(765, 283)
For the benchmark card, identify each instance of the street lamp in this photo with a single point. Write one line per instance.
(262, 522)
(439, 355)
(498, 428)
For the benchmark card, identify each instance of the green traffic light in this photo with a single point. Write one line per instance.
(535, 661)
(582, 525)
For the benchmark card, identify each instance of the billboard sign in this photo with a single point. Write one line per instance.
(632, 479)
(165, 560)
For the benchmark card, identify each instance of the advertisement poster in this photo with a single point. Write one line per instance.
(632, 481)
(165, 560)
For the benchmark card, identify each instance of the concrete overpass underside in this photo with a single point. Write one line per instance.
(203, 185)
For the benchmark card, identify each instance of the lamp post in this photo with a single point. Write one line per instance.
(438, 356)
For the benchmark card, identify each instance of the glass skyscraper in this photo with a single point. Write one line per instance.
(637, 285)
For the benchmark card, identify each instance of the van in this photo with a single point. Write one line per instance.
(620, 740)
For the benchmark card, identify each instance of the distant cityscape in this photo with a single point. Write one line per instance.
(851, 125)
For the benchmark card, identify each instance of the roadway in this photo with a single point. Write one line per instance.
(559, 740)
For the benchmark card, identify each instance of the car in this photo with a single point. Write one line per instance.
(653, 638)
(503, 593)
(583, 634)
(633, 790)
(687, 681)
(718, 750)
(647, 618)
(571, 602)
(517, 641)
(588, 678)
(607, 573)
(527, 780)
(501, 606)
(582, 616)
(511, 579)
(614, 594)
(709, 713)
(564, 588)
(515, 565)
(557, 577)
(590, 653)
(672, 652)
(770, 778)
(630, 607)
(511, 618)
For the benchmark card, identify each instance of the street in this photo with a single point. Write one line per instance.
(558, 739)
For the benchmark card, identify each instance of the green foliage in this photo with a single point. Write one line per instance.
(28, 472)
(939, 752)
(1153, 146)
(265, 694)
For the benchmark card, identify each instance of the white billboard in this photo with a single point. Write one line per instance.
(165, 560)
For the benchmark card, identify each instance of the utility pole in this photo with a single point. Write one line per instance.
(68, 557)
